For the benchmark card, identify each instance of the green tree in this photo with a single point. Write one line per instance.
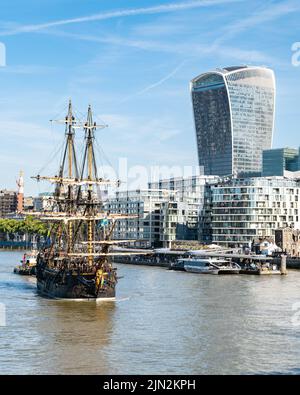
(29, 226)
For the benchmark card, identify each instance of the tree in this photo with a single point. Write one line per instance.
(29, 226)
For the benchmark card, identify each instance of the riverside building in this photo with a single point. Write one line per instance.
(190, 196)
(234, 118)
(238, 211)
(168, 210)
(147, 205)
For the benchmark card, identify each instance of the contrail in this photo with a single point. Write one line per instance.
(262, 15)
(155, 84)
(171, 7)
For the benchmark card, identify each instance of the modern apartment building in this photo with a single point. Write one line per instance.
(168, 210)
(190, 191)
(234, 118)
(238, 211)
(147, 205)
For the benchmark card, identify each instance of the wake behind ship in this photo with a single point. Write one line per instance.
(76, 264)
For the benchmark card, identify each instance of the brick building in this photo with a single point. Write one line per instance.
(288, 239)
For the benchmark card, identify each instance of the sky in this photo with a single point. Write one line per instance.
(132, 61)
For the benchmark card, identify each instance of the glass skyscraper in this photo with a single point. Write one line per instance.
(279, 161)
(234, 118)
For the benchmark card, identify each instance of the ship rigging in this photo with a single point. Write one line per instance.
(77, 263)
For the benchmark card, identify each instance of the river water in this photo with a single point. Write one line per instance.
(162, 322)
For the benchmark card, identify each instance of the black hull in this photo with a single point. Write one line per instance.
(177, 268)
(250, 271)
(58, 285)
(224, 272)
(25, 271)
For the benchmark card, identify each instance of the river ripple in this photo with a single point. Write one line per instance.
(162, 322)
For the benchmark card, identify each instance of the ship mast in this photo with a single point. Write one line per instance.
(70, 168)
(90, 137)
(79, 208)
(78, 262)
(71, 152)
(89, 157)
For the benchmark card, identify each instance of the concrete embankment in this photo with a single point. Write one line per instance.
(291, 263)
(142, 262)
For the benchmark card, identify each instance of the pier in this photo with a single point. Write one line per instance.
(165, 257)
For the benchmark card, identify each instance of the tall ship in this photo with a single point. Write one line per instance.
(77, 261)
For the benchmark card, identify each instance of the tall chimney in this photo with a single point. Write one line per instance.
(20, 196)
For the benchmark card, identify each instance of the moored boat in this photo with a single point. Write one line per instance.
(178, 265)
(264, 268)
(210, 266)
(28, 264)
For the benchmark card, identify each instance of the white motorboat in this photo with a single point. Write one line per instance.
(210, 266)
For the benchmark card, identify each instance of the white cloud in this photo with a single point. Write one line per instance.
(171, 7)
(188, 49)
(139, 129)
(27, 69)
(262, 15)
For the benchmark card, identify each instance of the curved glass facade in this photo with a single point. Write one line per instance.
(213, 126)
(234, 117)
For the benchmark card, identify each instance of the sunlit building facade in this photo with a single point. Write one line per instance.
(168, 210)
(238, 211)
(234, 118)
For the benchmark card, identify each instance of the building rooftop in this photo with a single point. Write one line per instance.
(228, 70)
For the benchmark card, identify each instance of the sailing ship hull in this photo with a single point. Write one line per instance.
(67, 285)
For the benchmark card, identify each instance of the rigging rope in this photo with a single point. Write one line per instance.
(51, 157)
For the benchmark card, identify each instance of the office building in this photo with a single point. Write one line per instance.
(191, 191)
(234, 118)
(168, 210)
(280, 162)
(147, 206)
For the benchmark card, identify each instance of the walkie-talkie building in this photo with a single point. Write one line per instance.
(234, 118)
